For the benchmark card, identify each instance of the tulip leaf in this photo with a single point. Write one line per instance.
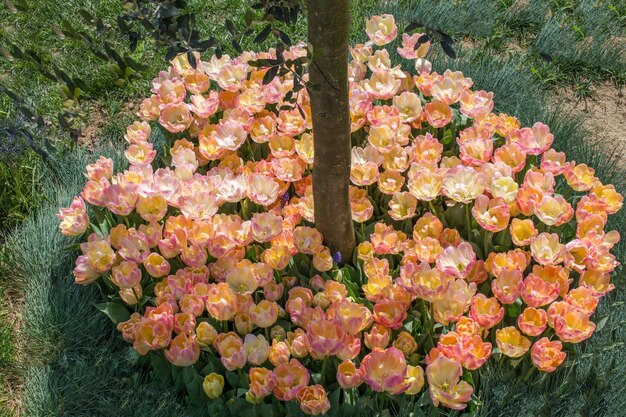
(233, 379)
(513, 310)
(417, 411)
(447, 137)
(413, 25)
(116, 312)
(193, 382)
(216, 408)
(425, 399)
(160, 367)
(423, 39)
(292, 409)
(602, 323)
(347, 410)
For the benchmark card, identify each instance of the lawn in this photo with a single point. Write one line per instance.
(559, 61)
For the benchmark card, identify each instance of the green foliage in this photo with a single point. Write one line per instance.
(591, 384)
(78, 366)
(7, 353)
(74, 344)
(88, 51)
(20, 191)
(562, 42)
(34, 30)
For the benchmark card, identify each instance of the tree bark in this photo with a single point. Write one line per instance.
(328, 28)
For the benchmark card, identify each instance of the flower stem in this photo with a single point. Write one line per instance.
(241, 377)
(486, 239)
(323, 371)
(468, 221)
(432, 208)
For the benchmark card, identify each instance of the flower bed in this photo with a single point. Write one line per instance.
(466, 251)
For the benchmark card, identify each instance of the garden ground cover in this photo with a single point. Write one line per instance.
(72, 363)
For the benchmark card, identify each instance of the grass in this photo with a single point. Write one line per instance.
(77, 365)
(21, 190)
(562, 42)
(7, 356)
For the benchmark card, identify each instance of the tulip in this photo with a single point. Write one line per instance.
(384, 370)
(213, 385)
(532, 321)
(231, 349)
(511, 342)
(348, 376)
(313, 400)
(381, 29)
(257, 349)
(487, 312)
(205, 334)
(445, 386)
(547, 355)
(326, 338)
(290, 378)
(264, 314)
(183, 351)
(261, 382)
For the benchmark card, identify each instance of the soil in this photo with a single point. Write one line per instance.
(12, 387)
(604, 114)
(95, 122)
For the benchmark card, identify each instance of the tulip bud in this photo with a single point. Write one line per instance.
(278, 333)
(213, 385)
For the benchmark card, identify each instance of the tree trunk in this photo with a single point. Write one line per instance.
(328, 28)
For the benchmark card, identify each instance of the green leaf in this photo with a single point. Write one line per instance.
(193, 383)
(348, 410)
(334, 402)
(513, 310)
(447, 137)
(263, 34)
(412, 26)
(425, 399)
(264, 410)
(270, 75)
(417, 411)
(292, 409)
(116, 312)
(99, 213)
(248, 17)
(241, 407)
(160, 367)
(601, 323)
(455, 216)
(447, 49)
(216, 407)
(177, 376)
(233, 379)
(478, 250)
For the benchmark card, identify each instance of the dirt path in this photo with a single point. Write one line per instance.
(604, 114)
